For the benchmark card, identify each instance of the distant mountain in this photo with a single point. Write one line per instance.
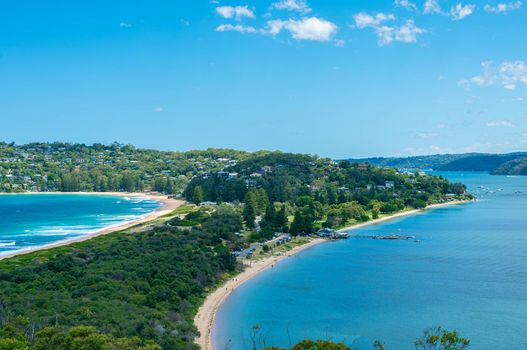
(497, 164)
(517, 166)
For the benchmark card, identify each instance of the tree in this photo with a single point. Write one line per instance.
(268, 223)
(198, 195)
(262, 200)
(345, 164)
(159, 184)
(13, 344)
(250, 209)
(86, 338)
(319, 345)
(332, 194)
(334, 218)
(281, 221)
(303, 222)
(70, 182)
(418, 203)
(227, 260)
(12, 335)
(389, 207)
(438, 338)
(433, 339)
(224, 223)
(169, 186)
(270, 214)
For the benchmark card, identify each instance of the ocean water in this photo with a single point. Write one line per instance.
(469, 273)
(28, 221)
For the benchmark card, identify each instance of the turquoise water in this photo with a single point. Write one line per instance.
(468, 273)
(28, 221)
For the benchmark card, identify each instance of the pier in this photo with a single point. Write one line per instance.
(385, 237)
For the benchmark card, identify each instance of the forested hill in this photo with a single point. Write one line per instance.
(497, 164)
(64, 167)
(516, 166)
(317, 191)
(42, 167)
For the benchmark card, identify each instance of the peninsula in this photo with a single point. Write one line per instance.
(151, 279)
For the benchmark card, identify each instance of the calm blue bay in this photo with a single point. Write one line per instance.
(468, 273)
(28, 221)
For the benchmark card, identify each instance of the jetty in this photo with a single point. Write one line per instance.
(393, 237)
(385, 237)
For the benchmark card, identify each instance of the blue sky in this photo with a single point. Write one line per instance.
(334, 78)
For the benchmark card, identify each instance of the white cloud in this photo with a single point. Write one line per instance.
(307, 28)
(457, 12)
(461, 11)
(384, 35)
(432, 6)
(237, 12)
(292, 5)
(500, 124)
(125, 25)
(363, 20)
(159, 109)
(406, 33)
(311, 28)
(236, 28)
(503, 7)
(508, 74)
(406, 4)
(512, 73)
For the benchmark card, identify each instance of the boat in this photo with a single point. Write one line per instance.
(340, 235)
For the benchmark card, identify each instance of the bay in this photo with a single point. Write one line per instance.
(468, 272)
(30, 221)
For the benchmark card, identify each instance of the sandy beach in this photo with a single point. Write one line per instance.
(206, 315)
(168, 205)
(401, 214)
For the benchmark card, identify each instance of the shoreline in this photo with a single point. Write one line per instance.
(167, 206)
(401, 214)
(206, 315)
